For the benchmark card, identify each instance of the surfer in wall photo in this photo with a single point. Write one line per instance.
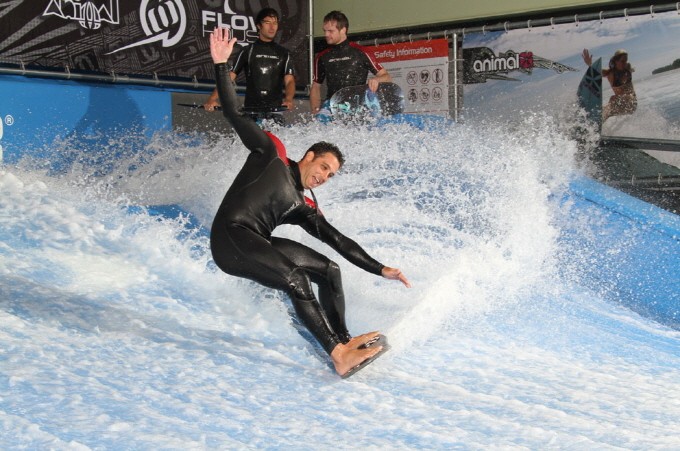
(269, 191)
(620, 76)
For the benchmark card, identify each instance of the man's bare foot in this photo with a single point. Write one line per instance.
(355, 342)
(345, 358)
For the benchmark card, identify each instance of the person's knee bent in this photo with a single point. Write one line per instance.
(300, 285)
(334, 277)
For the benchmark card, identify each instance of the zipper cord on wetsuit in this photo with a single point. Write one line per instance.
(316, 206)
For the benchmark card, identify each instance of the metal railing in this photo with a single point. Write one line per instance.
(514, 25)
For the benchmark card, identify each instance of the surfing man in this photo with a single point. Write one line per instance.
(268, 191)
(342, 64)
(269, 71)
(620, 76)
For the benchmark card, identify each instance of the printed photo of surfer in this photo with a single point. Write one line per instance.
(620, 77)
(638, 57)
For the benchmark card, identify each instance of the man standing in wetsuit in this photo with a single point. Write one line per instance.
(342, 64)
(269, 191)
(268, 70)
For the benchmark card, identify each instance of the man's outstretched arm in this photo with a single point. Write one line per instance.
(251, 135)
(352, 251)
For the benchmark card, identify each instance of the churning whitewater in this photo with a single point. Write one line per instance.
(117, 331)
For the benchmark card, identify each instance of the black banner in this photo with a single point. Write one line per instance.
(154, 38)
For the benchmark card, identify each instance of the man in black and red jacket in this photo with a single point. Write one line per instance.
(342, 63)
(269, 191)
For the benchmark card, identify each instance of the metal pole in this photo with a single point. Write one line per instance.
(454, 39)
(311, 46)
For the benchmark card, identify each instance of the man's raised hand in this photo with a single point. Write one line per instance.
(220, 45)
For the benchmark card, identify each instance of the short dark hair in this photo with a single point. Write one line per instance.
(339, 18)
(266, 12)
(323, 147)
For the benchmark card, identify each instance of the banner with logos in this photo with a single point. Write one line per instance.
(154, 38)
(540, 68)
(421, 69)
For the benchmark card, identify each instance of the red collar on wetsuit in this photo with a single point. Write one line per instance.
(293, 168)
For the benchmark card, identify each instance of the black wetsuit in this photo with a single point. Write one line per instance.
(342, 65)
(268, 192)
(265, 64)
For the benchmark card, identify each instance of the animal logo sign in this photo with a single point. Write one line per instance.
(481, 64)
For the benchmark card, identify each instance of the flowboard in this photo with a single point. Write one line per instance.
(386, 101)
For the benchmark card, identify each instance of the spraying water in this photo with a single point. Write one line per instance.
(117, 330)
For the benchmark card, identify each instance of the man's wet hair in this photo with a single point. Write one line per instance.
(323, 147)
(339, 18)
(267, 12)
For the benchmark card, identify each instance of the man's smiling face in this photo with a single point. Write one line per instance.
(315, 170)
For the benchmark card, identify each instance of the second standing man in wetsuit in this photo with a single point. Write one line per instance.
(270, 78)
(342, 64)
(269, 191)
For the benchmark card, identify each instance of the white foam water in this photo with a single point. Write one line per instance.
(118, 332)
